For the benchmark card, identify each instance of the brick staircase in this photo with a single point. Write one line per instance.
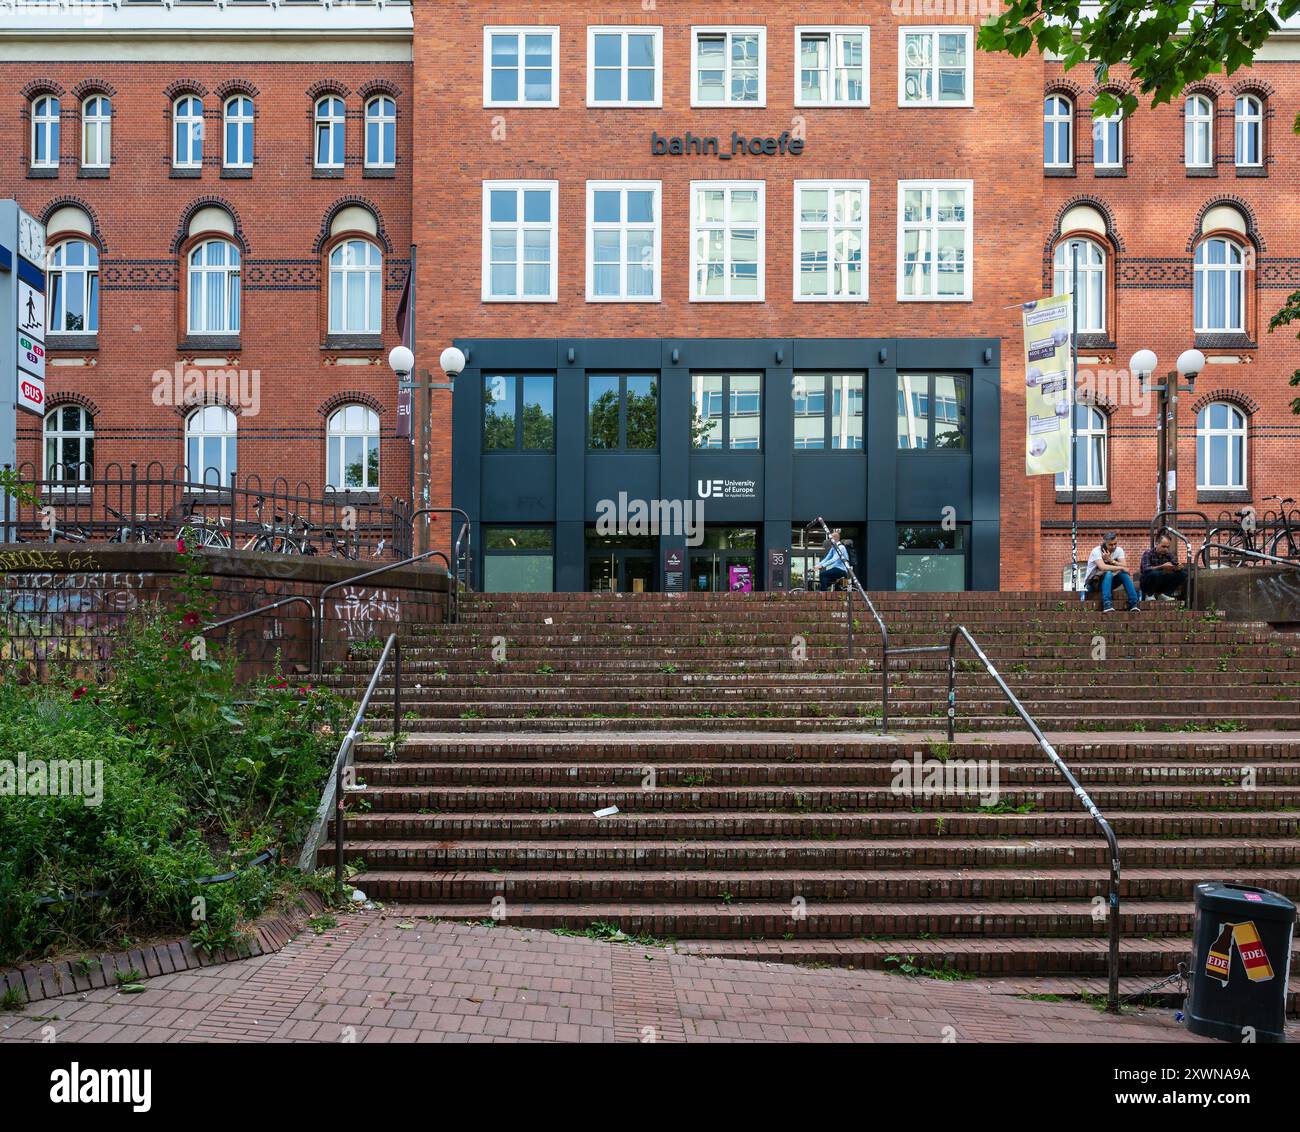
(757, 811)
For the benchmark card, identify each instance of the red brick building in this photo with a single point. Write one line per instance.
(805, 231)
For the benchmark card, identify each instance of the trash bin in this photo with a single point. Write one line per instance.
(1241, 960)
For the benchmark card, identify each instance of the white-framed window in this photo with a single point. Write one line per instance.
(1058, 132)
(1108, 142)
(331, 130)
(623, 241)
(187, 132)
(381, 133)
(45, 132)
(520, 241)
(96, 132)
(936, 66)
(521, 66)
(214, 288)
(72, 287)
(1090, 441)
(832, 66)
(211, 446)
(239, 132)
(1092, 281)
(830, 238)
(69, 456)
(1198, 144)
(352, 449)
(727, 241)
(1219, 287)
(1248, 118)
(1221, 448)
(728, 66)
(356, 288)
(625, 66)
(935, 226)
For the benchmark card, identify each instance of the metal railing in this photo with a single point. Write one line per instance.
(1210, 549)
(462, 553)
(335, 796)
(885, 651)
(1160, 522)
(1112, 843)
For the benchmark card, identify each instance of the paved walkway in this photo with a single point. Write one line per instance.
(372, 979)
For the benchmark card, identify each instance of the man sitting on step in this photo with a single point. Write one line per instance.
(1107, 564)
(1160, 575)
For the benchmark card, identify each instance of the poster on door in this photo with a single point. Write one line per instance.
(1049, 371)
(740, 579)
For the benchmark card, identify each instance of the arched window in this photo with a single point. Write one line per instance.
(1092, 281)
(69, 445)
(1090, 442)
(96, 132)
(355, 288)
(72, 287)
(214, 288)
(187, 132)
(1058, 132)
(45, 132)
(1199, 141)
(381, 133)
(1219, 289)
(1108, 142)
(330, 124)
(239, 132)
(352, 449)
(210, 446)
(1249, 119)
(1221, 448)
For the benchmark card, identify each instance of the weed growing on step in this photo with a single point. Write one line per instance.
(907, 965)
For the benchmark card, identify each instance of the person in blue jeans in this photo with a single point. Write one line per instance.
(1107, 564)
(832, 566)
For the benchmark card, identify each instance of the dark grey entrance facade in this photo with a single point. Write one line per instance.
(896, 441)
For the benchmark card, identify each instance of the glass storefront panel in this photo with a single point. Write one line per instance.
(620, 563)
(807, 548)
(930, 559)
(518, 560)
(724, 548)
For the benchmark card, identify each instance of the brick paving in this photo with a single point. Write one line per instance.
(371, 979)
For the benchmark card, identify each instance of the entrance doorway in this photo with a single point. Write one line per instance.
(711, 565)
(620, 564)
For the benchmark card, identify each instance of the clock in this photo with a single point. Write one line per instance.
(31, 239)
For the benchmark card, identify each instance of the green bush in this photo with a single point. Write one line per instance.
(199, 775)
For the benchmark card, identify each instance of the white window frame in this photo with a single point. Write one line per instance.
(1235, 272)
(934, 32)
(1198, 127)
(623, 228)
(85, 431)
(1054, 120)
(728, 31)
(1248, 119)
(1087, 433)
(520, 226)
(240, 160)
(1062, 280)
(934, 225)
(229, 431)
(337, 437)
(761, 225)
(193, 155)
(382, 121)
(519, 31)
(100, 125)
(333, 124)
(374, 319)
(47, 112)
(1203, 437)
(223, 273)
(82, 273)
(1116, 160)
(836, 32)
(623, 31)
(829, 227)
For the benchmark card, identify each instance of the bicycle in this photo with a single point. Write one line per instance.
(145, 531)
(1286, 542)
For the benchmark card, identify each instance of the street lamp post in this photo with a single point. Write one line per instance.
(401, 361)
(1190, 364)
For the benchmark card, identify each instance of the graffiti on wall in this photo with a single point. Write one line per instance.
(359, 611)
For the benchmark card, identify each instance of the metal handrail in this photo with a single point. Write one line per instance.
(885, 651)
(1220, 549)
(311, 610)
(1112, 997)
(319, 643)
(307, 862)
(466, 533)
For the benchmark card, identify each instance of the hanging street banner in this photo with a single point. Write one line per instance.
(1048, 376)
